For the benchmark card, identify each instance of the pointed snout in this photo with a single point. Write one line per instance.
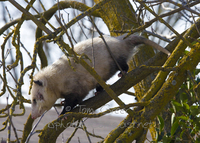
(34, 117)
(35, 114)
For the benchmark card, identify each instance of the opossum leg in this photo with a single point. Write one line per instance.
(70, 102)
(99, 88)
(124, 66)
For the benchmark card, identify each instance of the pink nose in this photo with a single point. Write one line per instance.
(34, 117)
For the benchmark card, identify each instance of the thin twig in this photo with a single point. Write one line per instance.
(82, 29)
(111, 54)
(27, 52)
(186, 7)
(29, 15)
(85, 129)
(164, 38)
(159, 68)
(92, 134)
(65, 30)
(149, 23)
(194, 22)
(166, 24)
(33, 129)
(9, 126)
(76, 128)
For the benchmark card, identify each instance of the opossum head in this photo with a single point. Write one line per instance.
(42, 98)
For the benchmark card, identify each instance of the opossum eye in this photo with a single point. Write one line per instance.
(34, 101)
(40, 96)
(38, 82)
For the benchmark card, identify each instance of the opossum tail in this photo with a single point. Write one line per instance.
(136, 40)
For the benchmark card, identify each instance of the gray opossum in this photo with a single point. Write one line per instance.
(60, 81)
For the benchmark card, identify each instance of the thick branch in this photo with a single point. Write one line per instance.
(164, 95)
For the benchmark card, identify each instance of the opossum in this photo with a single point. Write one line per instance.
(59, 80)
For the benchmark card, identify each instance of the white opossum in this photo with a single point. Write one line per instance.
(60, 81)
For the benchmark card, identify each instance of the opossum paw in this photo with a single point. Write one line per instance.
(96, 93)
(120, 74)
(62, 102)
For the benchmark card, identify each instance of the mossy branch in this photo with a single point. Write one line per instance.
(18, 96)
(4, 64)
(175, 80)
(159, 81)
(164, 95)
(16, 36)
(111, 137)
(177, 53)
(81, 114)
(27, 128)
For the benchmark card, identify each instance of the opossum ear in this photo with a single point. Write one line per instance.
(38, 82)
